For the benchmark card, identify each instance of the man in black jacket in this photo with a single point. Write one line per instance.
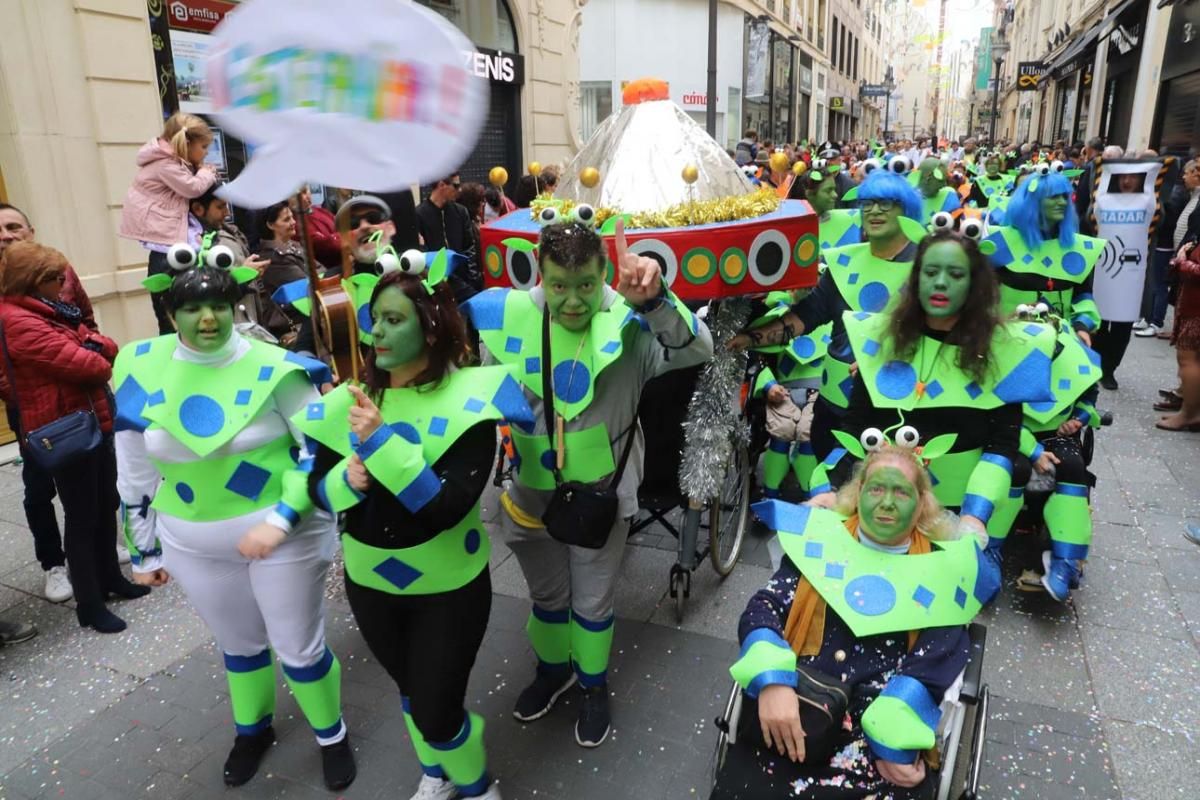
(442, 222)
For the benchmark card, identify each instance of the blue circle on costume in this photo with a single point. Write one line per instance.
(185, 492)
(571, 381)
(472, 542)
(896, 380)
(549, 460)
(1043, 406)
(364, 318)
(804, 347)
(406, 432)
(870, 595)
(873, 297)
(201, 416)
(1074, 263)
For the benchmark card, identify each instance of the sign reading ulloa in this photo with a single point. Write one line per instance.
(1029, 75)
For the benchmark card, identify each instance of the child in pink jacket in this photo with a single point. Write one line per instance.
(171, 172)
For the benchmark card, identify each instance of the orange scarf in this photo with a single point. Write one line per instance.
(805, 627)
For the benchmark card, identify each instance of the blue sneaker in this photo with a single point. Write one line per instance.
(1061, 575)
(1191, 532)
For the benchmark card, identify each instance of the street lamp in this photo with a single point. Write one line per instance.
(889, 83)
(999, 51)
(914, 118)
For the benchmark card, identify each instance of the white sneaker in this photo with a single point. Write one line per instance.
(1150, 330)
(1141, 325)
(58, 585)
(434, 789)
(122, 554)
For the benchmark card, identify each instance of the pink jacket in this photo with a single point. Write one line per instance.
(156, 205)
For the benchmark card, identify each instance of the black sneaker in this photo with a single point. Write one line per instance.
(1109, 382)
(337, 761)
(539, 697)
(591, 729)
(15, 632)
(246, 755)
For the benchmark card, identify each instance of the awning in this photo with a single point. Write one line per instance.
(1065, 63)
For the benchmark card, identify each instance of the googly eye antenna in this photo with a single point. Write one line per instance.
(972, 229)
(548, 216)
(1058, 166)
(220, 256)
(181, 257)
(584, 213)
(900, 165)
(1043, 169)
(942, 221)
(872, 439)
(870, 165)
(908, 437)
(412, 262)
(819, 164)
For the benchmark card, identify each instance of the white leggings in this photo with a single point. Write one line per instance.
(278, 601)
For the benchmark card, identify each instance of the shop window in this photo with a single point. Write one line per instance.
(733, 115)
(595, 104)
(486, 24)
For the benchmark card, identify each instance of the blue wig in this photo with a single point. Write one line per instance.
(882, 184)
(1025, 210)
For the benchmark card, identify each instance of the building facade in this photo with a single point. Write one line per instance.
(84, 83)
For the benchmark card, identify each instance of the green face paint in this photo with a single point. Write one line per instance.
(204, 325)
(396, 326)
(1054, 209)
(880, 224)
(930, 184)
(887, 504)
(993, 168)
(944, 280)
(573, 295)
(825, 198)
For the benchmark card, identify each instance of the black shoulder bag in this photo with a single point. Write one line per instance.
(579, 514)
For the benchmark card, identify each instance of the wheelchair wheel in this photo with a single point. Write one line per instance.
(729, 514)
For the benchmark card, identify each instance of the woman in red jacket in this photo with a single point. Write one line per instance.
(60, 366)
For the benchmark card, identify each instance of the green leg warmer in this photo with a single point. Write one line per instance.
(1005, 514)
(1069, 520)
(591, 643)
(318, 691)
(430, 763)
(251, 691)
(550, 635)
(803, 464)
(464, 759)
(775, 466)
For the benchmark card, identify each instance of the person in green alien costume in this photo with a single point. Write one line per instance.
(605, 345)
(1040, 255)
(406, 456)
(211, 475)
(990, 185)
(870, 600)
(936, 194)
(943, 361)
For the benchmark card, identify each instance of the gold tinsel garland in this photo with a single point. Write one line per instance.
(681, 215)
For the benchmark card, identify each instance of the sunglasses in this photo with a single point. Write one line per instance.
(882, 205)
(372, 217)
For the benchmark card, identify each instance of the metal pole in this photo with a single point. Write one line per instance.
(995, 103)
(937, 86)
(710, 114)
(914, 118)
(887, 112)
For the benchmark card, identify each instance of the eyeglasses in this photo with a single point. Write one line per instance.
(371, 217)
(457, 184)
(882, 205)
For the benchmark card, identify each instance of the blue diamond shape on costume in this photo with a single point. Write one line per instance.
(853, 279)
(438, 425)
(861, 315)
(397, 573)
(611, 347)
(934, 389)
(156, 398)
(1088, 244)
(923, 596)
(1027, 258)
(960, 597)
(973, 390)
(512, 345)
(1084, 369)
(1032, 330)
(1064, 384)
(474, 405)
(265, 373)
(847, 386)
(835, 571)
(242, 398)
(142, 349)
(870, 347)
(316, 411)
(1028, 382)
(813, 549)
(1047, 261)
(843, 259)
(248, 480)
(533, 365)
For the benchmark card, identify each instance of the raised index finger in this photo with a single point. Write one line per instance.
(619, 239)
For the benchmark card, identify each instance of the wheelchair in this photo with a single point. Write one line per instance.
(958, 758)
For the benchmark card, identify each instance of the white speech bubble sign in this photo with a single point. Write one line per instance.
(369, 94)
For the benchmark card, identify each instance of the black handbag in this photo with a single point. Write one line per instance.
(58, 444)
(579, 514)
(824, 701)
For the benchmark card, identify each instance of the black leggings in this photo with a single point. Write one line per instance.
(88, 491)
(427, 643)
(1110, 340)
(158, 265)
